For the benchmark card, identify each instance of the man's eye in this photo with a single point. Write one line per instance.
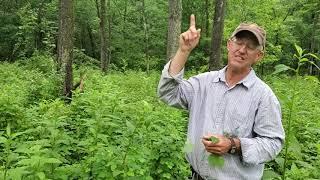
(251, 47)
(239, 43)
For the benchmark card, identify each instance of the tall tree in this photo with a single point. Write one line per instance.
(146, 35)
(215, 61)
(174, 27)
(65, 45)
(103, 35)
(125, 13)
(109, 32)
(313, 39)
(205, 27)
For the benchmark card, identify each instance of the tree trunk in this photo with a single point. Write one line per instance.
(215, 61)
(39, 34)
(174, 27)
(206, 21)
(92, 42)
(65, 45)
(124, 25)
(146, 36)
(103, 35)
(109, 32)
(313, 41)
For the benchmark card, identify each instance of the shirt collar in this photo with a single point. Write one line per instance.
(247, 81)
(221, 75)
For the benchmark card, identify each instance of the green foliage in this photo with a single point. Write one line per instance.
(116, 129)
(293, 153)
(214, 139)
(43, 63)
(215, 160)
(269, 174)
(20, 89)
(35, 30)
(31, 26)
(80, 59)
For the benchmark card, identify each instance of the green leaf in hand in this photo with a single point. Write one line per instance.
(214, 139)
(216, 160)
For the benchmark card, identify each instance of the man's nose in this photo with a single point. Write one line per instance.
(243, 48)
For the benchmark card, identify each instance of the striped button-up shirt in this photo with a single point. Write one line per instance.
(249, 110)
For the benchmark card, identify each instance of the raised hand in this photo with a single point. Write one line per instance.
(190, 39)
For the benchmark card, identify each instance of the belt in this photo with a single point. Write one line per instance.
(195, 175)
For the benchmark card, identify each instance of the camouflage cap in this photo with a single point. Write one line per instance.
(258, 32)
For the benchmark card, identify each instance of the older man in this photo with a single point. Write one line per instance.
(231, 104)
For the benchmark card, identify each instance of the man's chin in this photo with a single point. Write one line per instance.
(238, 67)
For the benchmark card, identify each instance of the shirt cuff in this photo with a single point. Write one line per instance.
(248, 155)
(178, 77)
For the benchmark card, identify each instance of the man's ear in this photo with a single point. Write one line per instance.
(228, 44)
(259, 56)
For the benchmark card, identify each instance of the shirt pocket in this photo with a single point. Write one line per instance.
(237, 123)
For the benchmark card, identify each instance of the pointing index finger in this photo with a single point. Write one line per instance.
(192, 21)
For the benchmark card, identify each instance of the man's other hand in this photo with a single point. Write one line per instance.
(222, 146)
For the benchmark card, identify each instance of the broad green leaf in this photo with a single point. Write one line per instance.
(25, 162)
(147, 106)
(52, 161)
(280, 161)
(269, 174)
(12, 157)
(130, 126)
(3, 139)
(305, 164)
(302, 60)
(314, 56)
(8, 130)
(215, 160)
(167, 176)
(41, 175)
(281, 68)
(214, 139)
(17, 173)
(295, 147)
(299, 50)
(315, 65)
(14, 135)
(116, 172)
(294, 167)
(318, 148)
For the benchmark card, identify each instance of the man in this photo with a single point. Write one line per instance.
(232, 104)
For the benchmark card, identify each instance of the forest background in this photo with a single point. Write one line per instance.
(78, 84)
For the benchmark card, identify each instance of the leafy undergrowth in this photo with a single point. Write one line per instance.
(304, 150)
(118, 129)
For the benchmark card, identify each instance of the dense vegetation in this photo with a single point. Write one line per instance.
(30, 26)
(117, 128)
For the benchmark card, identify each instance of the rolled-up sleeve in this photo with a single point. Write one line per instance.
(269, 133)
(176, 91)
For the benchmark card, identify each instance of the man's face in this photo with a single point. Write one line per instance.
(243, 52)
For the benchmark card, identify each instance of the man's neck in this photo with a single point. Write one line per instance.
(233, 76)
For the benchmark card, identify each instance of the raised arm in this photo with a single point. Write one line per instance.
(187, 41)
(173, 89)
